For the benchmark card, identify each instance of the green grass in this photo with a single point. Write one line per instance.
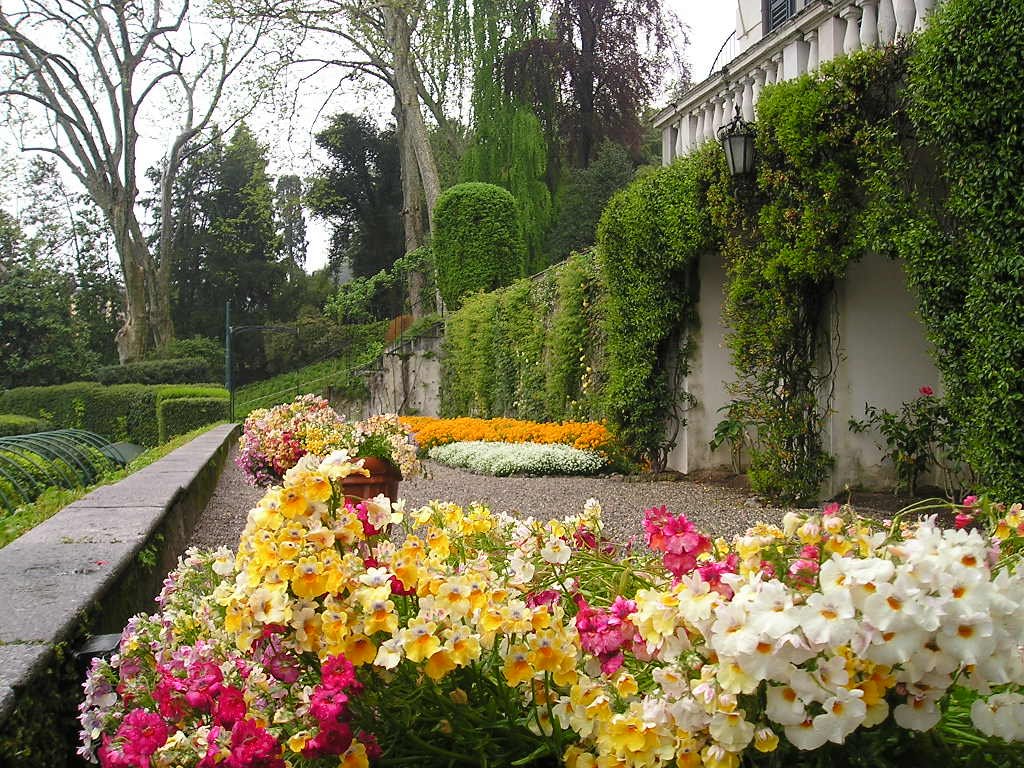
(53, 500)
(338, 374)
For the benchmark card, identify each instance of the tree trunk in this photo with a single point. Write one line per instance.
(398, 35)
(131, 339)
(412, 210)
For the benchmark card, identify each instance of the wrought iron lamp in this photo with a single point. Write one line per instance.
(737, 139)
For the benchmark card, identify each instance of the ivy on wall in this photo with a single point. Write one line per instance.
(786, 243)
(649, 239)
(967, 263)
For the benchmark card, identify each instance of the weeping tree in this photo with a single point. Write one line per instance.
(84, 79)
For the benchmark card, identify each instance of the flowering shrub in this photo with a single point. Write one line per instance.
(516, 641)
(501, 459)
(274, 440)
(584, 435)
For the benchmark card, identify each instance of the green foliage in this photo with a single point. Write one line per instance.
(818, 138)
(118, 412)
(532, 350)
(649, 238)
(967, 263)
(919, 437)
(477, 242)
(338, 377)
(185, 370)
(41, 340)
(13, 424)
(211, 350)
(581, 198)
(178, 416)
(366, 299)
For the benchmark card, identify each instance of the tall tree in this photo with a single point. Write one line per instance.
(360, 194)
(291, 222)
(83, 79)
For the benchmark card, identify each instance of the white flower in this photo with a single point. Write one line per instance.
(844, 712)
(804, 735)
(375, 577)
(827, 618)
(389, 654)
(556, 551)
(1001, 715)
(521, 568)
(379, 512)
(731, 730)
(784, 706)
(917, 714)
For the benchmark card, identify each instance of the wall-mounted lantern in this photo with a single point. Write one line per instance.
(737, 139)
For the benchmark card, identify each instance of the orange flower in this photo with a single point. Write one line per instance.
(584, 435)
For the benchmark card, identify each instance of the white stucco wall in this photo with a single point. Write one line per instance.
(748, 23)
(710, 371)
(884, 361)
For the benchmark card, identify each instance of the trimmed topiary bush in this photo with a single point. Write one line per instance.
(184, 370)
(178, 416)
(477, 244)
(14, 424)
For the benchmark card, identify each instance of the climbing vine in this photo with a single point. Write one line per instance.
(788, 240)
(648, 241)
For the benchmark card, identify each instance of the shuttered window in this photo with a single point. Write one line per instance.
(776, 12)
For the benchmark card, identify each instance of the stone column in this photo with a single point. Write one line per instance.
(812, 49)
(886, 22)
(759, 80)
(868, 23)
(666, 145)
(771, 70)
(681, 148)
(709, 122)
(924, 8)
(748, 99)
(905, 15)
(729, 105)
(851, 42)
(698, 138)
(716, 121)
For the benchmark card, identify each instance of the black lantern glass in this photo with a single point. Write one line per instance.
(737, 139)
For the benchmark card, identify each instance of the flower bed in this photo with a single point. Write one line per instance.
(584, 435)
(502, 459)
(520, 642)
(274, 440)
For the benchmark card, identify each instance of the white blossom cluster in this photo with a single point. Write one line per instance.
(502, 459)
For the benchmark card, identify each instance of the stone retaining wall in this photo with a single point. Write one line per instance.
(84, 571)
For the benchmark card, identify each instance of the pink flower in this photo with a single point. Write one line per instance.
(330, 741)
(926, 391)
(831, 509)
(604, 634)
(337, 672)
(970, 501)
(253, 747)
(547, 598)
(328, 706)
(677, 537)
(141, 734)
(963, 520)
(229, 707)
(713, 572)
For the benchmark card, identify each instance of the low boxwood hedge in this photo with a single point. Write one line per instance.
(118, 412)
(16, 424)
(180, 415)
(182, 370)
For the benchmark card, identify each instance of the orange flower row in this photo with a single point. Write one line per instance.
(585, 435)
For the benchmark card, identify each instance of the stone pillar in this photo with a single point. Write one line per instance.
(759, 80)
(868, 23)
(905, 15)
(771, 70)
(812, 49)
(666, 145)
(780, 69)
(692, 136)
(748, 99)
(709, 122)
(717, 122)
(681, 148)
(886, 22)
(924, 8)
(851, 42)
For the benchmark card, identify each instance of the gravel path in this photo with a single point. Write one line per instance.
(714, 508)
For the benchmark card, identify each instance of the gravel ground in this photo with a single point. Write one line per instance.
(713, 507)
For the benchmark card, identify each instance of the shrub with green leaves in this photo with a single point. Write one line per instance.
(503, 459)
(967, 263)
(478, 244)
(178, 416)
(13, 424)
(185, 370)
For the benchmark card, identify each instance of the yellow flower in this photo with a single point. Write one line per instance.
(626, 685)
(765, 740)
(355, 756)
(439, 664)
(360, 650)
(575, 757)
(463, 645)
(716, 756)
(308, 578)
(517, 667)
(419, 639)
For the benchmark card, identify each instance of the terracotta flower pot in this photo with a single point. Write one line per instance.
(384, 477)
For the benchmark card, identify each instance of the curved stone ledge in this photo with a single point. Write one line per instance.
(98, 561)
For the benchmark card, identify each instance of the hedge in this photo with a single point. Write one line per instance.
(182, 370)
(478, 245)
(180, 415)
(119, 412)
(15, 424)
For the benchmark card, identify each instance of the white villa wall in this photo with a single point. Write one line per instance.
(882, 359)
(710, 371)
(885, 360)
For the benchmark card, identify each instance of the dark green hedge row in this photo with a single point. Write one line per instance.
(119, 412)
(14, 424)
(184, 370)
(178, 416)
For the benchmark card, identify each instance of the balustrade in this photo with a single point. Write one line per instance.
(818, 32)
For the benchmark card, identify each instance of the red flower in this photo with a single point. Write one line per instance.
(230, 706)
(253, 747)
(926, 391)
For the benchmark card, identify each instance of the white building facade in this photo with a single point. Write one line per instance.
(879, 354)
